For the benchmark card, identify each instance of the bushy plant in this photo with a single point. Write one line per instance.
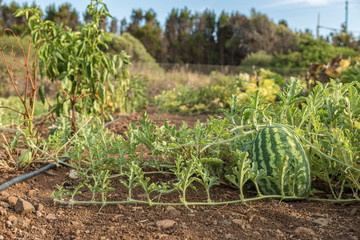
(130, 95)
(310, 50)
(74, 61)
(218, 151)
(211, 98)
(260, 58)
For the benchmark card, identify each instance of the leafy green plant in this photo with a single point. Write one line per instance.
(74, 61)
(260, 58)
(197, 159)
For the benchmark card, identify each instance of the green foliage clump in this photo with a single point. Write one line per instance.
(310, 50)
(218, 151)
(130, 95)
(211, 98)
(132, 46)
(260, 58)
(352, 74)
(75, 61)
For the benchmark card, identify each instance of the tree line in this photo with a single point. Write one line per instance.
(190, 37)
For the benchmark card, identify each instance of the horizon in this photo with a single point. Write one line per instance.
(299, 14)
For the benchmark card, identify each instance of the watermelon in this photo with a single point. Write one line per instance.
(279, 157)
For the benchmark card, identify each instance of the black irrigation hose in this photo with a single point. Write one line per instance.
(29, 175)
(45, 168)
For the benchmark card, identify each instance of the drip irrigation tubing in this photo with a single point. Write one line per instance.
(47, 167)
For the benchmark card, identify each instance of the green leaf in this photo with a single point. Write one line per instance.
(59, 56)
(25, 158)
(19, 13)
(62, 75)
(89, 71)
(66, 84)
(102, 92)
(42, 94)
(211, 160)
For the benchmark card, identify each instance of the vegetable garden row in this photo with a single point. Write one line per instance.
(271, 138)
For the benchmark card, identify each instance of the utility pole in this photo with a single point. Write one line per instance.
(318, 27)
(346, 16)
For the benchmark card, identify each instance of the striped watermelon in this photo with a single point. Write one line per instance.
(273, 147)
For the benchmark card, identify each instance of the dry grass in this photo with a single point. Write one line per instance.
(173, 75)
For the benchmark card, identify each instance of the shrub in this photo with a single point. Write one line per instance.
(260, 58)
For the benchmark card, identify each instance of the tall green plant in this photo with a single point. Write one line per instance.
(74, 61)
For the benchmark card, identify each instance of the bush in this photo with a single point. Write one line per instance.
(132, 46)
(260, 58)
(310, 50)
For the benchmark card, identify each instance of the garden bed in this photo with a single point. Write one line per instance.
(263, 219)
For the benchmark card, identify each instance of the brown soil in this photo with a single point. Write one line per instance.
(264, 219)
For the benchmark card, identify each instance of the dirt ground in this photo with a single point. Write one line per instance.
(265, 219)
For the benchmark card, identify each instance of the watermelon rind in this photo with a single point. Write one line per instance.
(278, 153)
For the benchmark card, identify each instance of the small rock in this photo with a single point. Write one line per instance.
(4, 194)
(279, 234)
(304, 230)
(32, 193)
(39, 207)
(51, 173)
(173, 211)
(42, 231)
(226, 223)
(353, 211)
(1, 237)
(142, 196)
(75, 223)
(51, 216)
(38, 214)
(4, 204)
(2, 211)
(163, 236)
(9, 223)
(23, 207)
(165, 223)
(12, 218)
(183, 226)
(321, 222)
(12, 200)
(22, 223)
(238, 222)
(73, 174)
(229, 236)
(191, 215)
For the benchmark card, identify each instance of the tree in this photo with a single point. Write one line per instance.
(224, 32)
(136, 19)
(238, 45)
(148, 31)
(205, 37)
(170, 41)
(123, 24)
(64, 14)
(10, 21)
(344, 38)
(87, 17)
(113, 25)
(103, 24)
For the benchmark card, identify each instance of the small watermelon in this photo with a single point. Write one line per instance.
(277, 152)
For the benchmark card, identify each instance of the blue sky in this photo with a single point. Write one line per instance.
(300, 14)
